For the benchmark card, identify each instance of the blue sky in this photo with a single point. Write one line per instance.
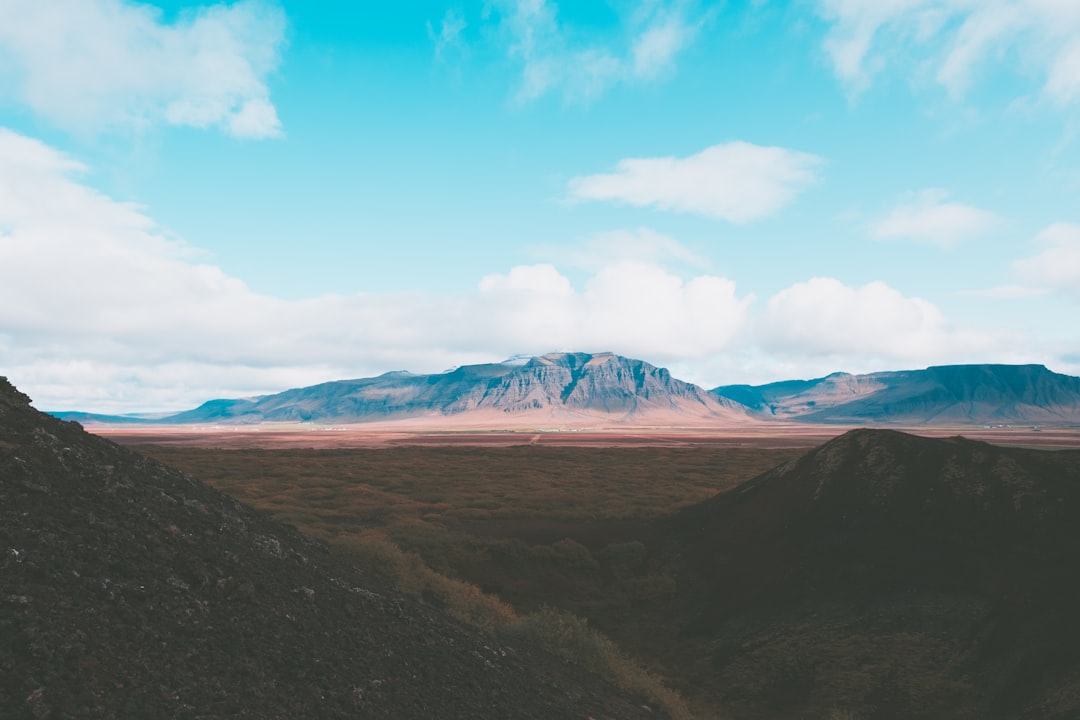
(201, 200)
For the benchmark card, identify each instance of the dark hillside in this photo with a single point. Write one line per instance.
(892, 576)
(130, 590)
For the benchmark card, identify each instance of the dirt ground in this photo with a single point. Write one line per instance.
(374, 436)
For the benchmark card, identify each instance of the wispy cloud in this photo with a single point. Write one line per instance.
(94, 65)
(641, 245)
(736, 181)
(553, 57)
(1058, 265)
(958, 40)
(929, 216)
(1006, 292)
(448, 37)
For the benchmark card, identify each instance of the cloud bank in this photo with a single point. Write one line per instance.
(94, 65)
(822, 316)
(102, 310)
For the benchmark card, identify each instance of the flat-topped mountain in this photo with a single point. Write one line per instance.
(560, 387)
(131, 590)
(892, 576)
(965, 394)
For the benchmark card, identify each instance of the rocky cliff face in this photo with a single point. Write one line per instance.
(972, 394)
(131, 590)
(603, 383)
(556, 386)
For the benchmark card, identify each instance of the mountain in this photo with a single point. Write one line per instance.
(890, 576)
(85, 417)
(558, 387)
(131, 590)
(948, 394)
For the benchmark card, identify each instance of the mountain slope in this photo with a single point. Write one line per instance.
(968, 394)
(128, 589)
(558, 386)
(891, 575)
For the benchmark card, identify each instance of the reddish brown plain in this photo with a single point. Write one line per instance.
(791, 435)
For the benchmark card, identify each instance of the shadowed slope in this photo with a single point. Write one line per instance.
(893, 575)
(131, 590)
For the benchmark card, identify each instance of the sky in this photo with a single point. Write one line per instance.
(202, 200)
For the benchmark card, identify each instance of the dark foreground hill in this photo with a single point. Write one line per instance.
(942, 395)
(130, 590)
(888, 575)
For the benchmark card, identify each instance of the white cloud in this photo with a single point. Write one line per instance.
(553, 57)
(655, 48)
(1058, 265)
(928, 216)
(822, 316)
(635, 308)
(92, 65)
(957, 39)
(736, 181)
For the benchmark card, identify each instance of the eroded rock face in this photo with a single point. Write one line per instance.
(603, 385)
(131, 590)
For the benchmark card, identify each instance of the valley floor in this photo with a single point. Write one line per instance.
(271, 436)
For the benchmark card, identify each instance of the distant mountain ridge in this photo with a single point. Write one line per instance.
(563, 387)
(583, 389)
(976, 394)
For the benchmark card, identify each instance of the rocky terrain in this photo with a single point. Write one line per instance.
(889, 576)
(558, 387)
(131, 590)
(950, 394)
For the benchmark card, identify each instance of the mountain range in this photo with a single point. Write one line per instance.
(558, 388)
(948, 394)
(583, 389)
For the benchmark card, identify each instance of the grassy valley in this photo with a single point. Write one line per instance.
(878, 575)
(546, 530)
